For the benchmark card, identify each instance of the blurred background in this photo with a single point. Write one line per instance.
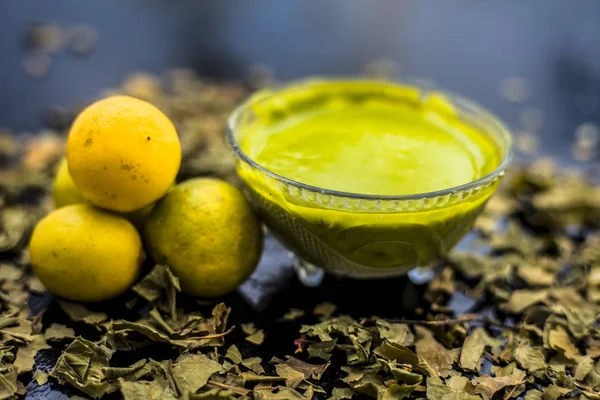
(535, 63)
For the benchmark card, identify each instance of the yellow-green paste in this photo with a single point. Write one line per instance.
(371, 139)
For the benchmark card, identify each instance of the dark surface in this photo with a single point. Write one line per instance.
(467, 46)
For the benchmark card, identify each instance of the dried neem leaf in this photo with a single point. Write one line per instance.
(81, 365)
(160, 283)
(402, 354)
(440, 359)
(322, 350)
(530, 358)
(145, 390)
(395, 333)
(291, 376)
(59, 332)
(214, 394)
(533, 394)
(234, 355)
(559, 339)
(535, 275)
(342, 326)
(308, 370)
(10, 272)
(249, 328)
(325, 309)
(473, 347)
(253, 364)
(438, 390)
(79, 313)
(293, 314)
(131, 373)
(40, 377)
(341, 394)
(257, 338)
(24, 359)
(580, 314)
(553, 392)
(192, 371)
(281, 393)
(8, 383)
(15, 225)
(520, 300)
(487, 386)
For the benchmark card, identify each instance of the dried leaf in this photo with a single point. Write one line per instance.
(293, 314)
(8, 384)
(487, 386)
(402, 354)
(234, 355)
(145, 390)
(159, 283)
(520, 300)
(81, 365)
(473, 347)
(308, 370)
(59, 332)
(80, 313)
(24, 360)
(436, 355)
(325, 309)
(341, 394)
(529, 357)
(322, 350)
(249, 328)
(193, 371)
(395, 333)
(40, 377)
(291, 376)
(257, 338)
(559, 339)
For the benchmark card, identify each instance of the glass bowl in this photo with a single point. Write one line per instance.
(352, 234)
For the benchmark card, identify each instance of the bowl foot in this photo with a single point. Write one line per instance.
(421, 275)
(309, 274)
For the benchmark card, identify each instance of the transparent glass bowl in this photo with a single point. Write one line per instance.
(358, 235)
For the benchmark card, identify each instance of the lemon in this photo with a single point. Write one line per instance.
(123, 153)
(64, 191)
(206, 231)
(85, 254)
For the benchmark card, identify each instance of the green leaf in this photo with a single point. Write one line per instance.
(193, 371)
(473, 347)
(81, 365)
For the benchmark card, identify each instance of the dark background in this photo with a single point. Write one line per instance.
(468, 46)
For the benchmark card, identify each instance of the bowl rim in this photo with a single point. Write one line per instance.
(424, 85)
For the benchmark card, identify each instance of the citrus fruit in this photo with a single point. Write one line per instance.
(123, 153)
(206, 231)
(64, 191)
(85, 254)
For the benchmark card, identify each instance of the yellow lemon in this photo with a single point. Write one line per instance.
(85, 254)
(64, 191)
(206, 231)
(123, 153)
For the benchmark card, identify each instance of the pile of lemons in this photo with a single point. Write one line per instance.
(117, 181)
